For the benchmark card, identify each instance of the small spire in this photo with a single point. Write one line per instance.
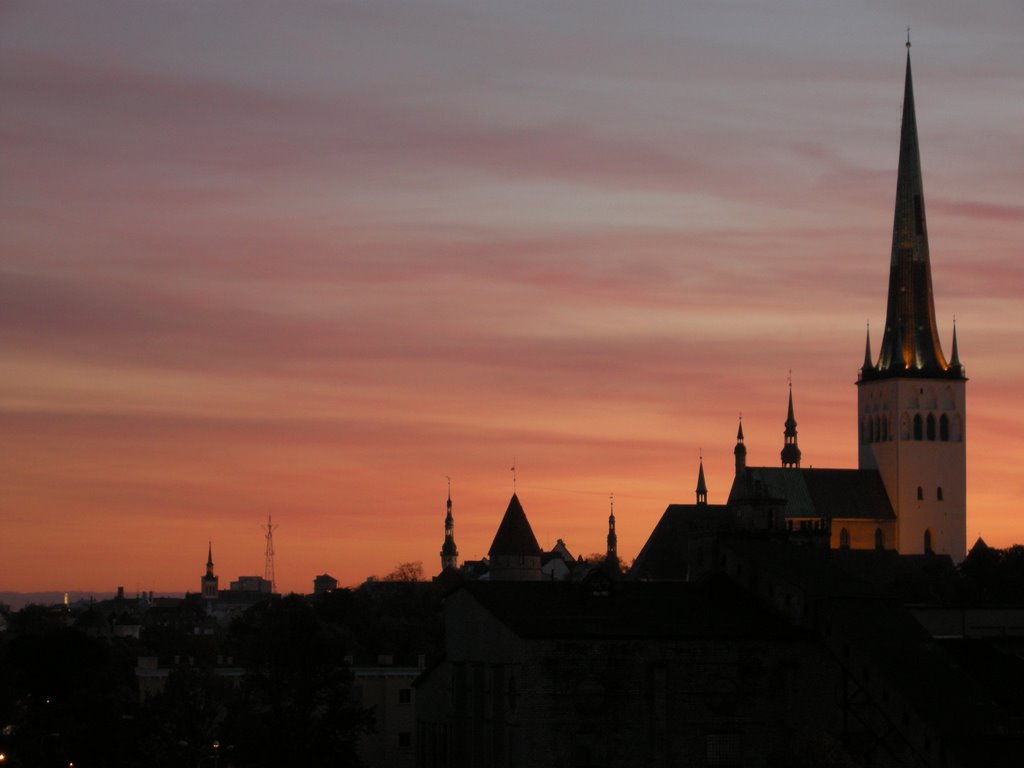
(908, 37)
(955, 363)
(209, 554)
(868, 365)
(702, 487)
(790, 451)
(449, 552)
(612, 552)
(740, 451)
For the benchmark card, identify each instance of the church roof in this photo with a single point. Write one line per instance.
(817, 493)
(664, 556)
(514, 536)
(910, 344)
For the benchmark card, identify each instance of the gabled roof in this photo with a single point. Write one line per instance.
(846, 494)
(514, 536)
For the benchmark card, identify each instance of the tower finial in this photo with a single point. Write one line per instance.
(908, 37)
(513, 470)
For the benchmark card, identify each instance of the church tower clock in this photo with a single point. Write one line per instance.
(911, 400)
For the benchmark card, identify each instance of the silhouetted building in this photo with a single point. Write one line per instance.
(449, 552)
(515, 554)
(324, 583)
(208, 587)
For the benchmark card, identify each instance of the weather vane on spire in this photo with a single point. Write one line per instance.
(908, 37)
(513, 474)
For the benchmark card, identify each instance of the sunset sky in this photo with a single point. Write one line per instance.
(309, 259)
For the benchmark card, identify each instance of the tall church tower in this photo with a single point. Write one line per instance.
(910, 403)
(449, 552)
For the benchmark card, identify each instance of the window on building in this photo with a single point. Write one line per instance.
(844, 539)
(920, 493)
(404, 695)
(928, 542)
(944, 428)
(931, 426)
(918, 426)
(879, 539)
(938, 493)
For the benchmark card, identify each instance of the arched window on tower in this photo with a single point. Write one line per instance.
(918, 426)
(928, 542)
(938, 493)
(931, 426)
(879, 539)
(944, 428)
(844, 539)
(920, 493)
(905, 427)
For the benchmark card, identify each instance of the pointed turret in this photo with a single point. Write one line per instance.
(515, 553)
(910, 344)
(702, 487)
(449, 552)
(209, 584)
(868, 366)
(955, 364)
(740, 451)
(612, 554)
(790, 450)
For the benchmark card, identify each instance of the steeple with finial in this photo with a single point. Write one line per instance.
(612, 553)
(740, 451)
(449, 552)
(209, 583)
(702, 487)
(790, 450)
(911, 402)
(910, 342)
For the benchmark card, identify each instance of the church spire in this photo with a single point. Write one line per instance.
(955, 363)
(868, 365)
(612, 555)
(740, 451)
(702, 487)
(209, 558)
(449, 552)
(790, 450)
(910, 344)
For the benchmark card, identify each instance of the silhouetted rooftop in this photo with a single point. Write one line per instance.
(514, 536)
(816, 493)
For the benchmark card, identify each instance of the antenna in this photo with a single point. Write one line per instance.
(268, 567)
